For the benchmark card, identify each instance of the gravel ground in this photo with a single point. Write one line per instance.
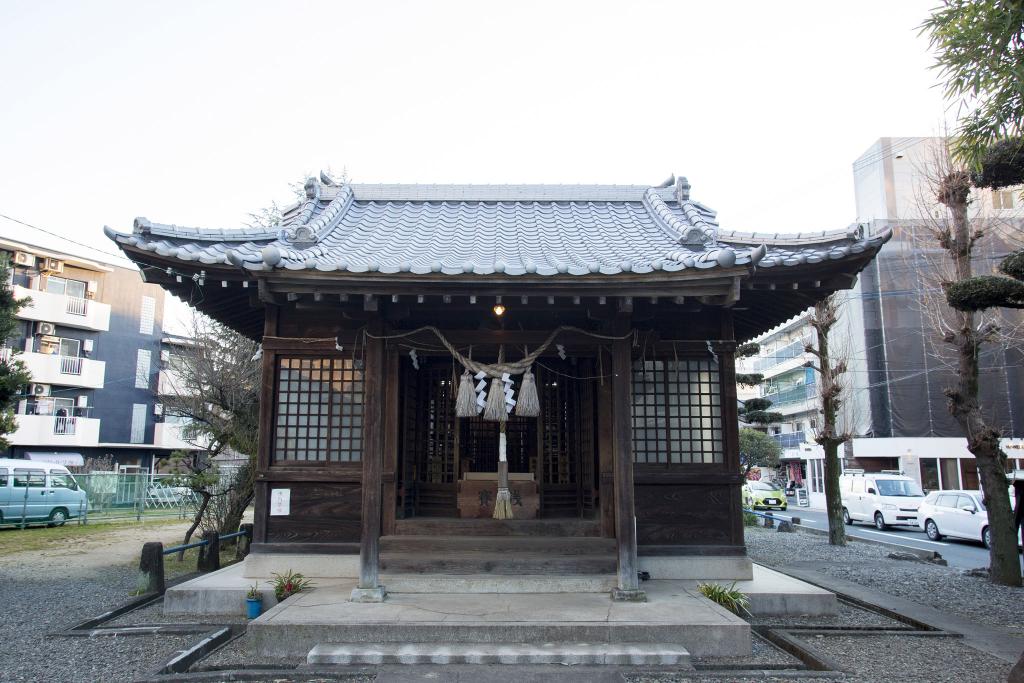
(41, 601)
(848, 616)
(943, 588)
(910, 659)
(763, 654)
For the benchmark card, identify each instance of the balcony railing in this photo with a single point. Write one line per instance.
(64, 425)
(77, 306)
(803, 392)
(790, 439)
(787, 352)
(71, 365)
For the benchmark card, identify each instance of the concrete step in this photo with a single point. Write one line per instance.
(450, 526)
(498, 583)
(571, 545)
(618, 654)
(495, 563)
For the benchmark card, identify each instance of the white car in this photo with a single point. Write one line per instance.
(881, 498)
(957, 514)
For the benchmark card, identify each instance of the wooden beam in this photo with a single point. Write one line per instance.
(265, 436)
(628, 588)
(369, 589)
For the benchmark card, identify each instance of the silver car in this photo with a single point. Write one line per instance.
(38, 492)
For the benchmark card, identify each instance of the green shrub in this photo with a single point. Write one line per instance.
(749, 519)
(985, 291)
(736, 601)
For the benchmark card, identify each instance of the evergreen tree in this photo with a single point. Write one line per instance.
(13, 375)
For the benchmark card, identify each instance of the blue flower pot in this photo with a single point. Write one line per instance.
(253, 607)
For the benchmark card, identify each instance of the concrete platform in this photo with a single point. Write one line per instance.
(774, 594)
(569, 654)
(674, 614)
(223, 592)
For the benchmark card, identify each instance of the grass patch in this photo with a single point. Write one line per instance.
(729, 597)
(14, 539)
(173, 568)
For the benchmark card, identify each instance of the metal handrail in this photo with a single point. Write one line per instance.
(199, 544)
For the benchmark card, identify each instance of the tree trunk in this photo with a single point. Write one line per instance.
(239, 498)
(982, 439)
(833, 499)
(196, 521)
(825, 316)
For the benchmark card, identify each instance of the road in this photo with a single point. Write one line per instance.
(962, 554)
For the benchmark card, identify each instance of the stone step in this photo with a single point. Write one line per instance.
(618, 654)
(498, 583)
(572, 545)
(450, 526)
(504, 563)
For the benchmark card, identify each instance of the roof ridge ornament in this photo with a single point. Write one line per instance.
(692, 232)
(682, 189)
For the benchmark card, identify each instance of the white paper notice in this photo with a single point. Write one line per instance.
(280, 501)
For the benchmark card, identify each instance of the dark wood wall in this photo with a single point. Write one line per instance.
(680, 509)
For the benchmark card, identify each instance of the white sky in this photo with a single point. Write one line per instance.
(196, 113)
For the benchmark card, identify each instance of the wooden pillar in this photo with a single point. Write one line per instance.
(628, 587)
(268, 418)
(369, 589)
(730, 426)
(605, 441)
(390, 442)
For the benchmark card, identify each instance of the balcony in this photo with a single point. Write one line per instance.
(790, 439)
(53, 430)
(169, 383)
(71, 371)
(60, 309)
(169, 435)
(781, 360)
(795, 399)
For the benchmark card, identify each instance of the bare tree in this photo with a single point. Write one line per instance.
(831, 436)
(967, 332)
(215, 388)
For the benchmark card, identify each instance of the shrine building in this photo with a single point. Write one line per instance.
(564, 351)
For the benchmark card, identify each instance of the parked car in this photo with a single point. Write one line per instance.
(956, 514)
(881, 498)
(763, 494)
(37, 492)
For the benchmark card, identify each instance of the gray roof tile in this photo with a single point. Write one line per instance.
(547, 230)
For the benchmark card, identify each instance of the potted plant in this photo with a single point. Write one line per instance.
(253, 601)
(289, 583)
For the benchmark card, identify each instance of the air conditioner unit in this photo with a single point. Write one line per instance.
(158, 409)
(53, 265)
(87, 345)
(39, 389)
(45, 328)
(23, 258)
(83, 401)
(165, 356)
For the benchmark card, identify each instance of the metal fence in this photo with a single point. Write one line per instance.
(111, 496)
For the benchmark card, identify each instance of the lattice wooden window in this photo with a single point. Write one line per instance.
(677, 412)
(319, 410)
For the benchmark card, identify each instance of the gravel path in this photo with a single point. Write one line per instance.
(943, 588)
(41, 601)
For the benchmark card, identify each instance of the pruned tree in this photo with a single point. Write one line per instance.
(216, 391)
(966, 332)
(830, 435)
(758, 449)
(754, 410)
(13, 375)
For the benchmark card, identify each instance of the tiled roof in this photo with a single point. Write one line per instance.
(485, 229)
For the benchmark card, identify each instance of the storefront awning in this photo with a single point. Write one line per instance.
(65, 459)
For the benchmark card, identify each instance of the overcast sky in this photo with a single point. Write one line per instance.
(196, 113)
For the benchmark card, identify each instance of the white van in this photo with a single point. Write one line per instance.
(38, 492)
(886, 498)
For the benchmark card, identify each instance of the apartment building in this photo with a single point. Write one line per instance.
(91, 337)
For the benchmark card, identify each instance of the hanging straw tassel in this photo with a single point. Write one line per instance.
(495, 408)
(528, 404)
(465, 401)
(502, 501)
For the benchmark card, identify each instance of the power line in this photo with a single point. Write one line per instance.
(65, 238)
